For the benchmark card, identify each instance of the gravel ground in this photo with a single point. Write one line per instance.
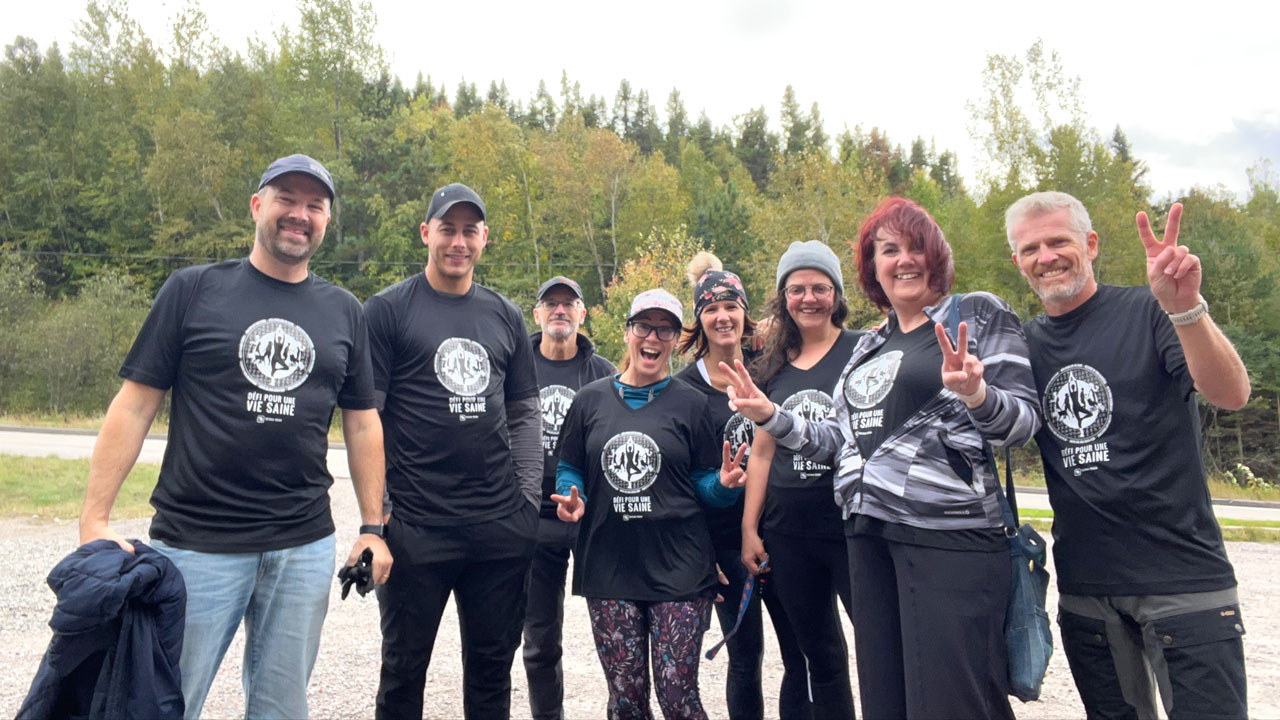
(345, 678)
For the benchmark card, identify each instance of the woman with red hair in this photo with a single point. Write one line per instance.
(911, 424)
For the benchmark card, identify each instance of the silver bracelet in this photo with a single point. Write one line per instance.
(1188, 317)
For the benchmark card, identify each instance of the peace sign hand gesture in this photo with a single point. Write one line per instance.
(961, 372)
(1172, 271)
(731, 473)
(744, 397)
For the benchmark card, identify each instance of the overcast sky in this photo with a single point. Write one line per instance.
(1193, 85)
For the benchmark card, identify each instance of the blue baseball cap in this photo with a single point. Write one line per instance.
(298, 163)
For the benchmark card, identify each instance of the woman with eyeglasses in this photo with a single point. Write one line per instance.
(638, 462)
(788, 499)
(717, 334)
(913, 419)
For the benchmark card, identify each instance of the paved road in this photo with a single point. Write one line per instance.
(79, 443)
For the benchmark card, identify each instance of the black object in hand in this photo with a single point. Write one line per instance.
(360, 575)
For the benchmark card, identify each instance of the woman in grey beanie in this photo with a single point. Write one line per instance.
(788, 500)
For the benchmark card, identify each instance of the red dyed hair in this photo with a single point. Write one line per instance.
(917, 229)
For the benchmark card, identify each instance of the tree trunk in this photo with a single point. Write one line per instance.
(613, 220)
(533, 237)
(337, 153)
(595, 253)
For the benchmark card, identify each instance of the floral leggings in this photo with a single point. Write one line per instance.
(626, 632)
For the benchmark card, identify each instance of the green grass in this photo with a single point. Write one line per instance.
(93, 422)
(50, 487)
(1267, 531)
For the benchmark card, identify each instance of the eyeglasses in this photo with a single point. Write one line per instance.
(643, 330)
(819, 291)
(553, 304)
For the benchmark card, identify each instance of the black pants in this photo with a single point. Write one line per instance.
(1124, 650)
(744, 696)
(929, 630)
(484, 566)
(544, 618)
(808, 574)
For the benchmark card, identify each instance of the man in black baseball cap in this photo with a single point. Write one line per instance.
(445, 198)
(454, 375)
(566, 361)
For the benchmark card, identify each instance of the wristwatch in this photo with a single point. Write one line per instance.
(1188, 317)
(372, 530)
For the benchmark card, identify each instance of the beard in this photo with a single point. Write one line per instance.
(560, 333)
(1061, 292)
(283, 251)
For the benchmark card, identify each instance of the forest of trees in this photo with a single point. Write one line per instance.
(124, 157)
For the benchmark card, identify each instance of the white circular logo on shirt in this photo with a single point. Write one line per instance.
(631, 462)
(276, 355)
(869, 383)
(812, 405)
(1077, 404)
(462, 365)
(556, 400)
(739, 431)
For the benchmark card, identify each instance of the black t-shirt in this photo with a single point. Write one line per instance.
(725, 523)
(1121, 451)
(800, 499)
(445, 366)
(256, 366)
(891, 383)
(559, 381)
(643, 536)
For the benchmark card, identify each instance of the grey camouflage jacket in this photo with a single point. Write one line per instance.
(931, 472)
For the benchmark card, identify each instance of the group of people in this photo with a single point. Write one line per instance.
(849, 468)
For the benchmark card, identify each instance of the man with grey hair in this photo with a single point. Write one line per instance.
(1148, 598)
(565, 361)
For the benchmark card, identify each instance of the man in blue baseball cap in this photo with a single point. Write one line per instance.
(258, 352)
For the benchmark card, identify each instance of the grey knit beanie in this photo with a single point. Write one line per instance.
(810, 255)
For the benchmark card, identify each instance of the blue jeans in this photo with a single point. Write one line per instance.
(281, 595)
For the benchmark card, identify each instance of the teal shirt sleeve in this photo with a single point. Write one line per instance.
(707, 485)
(568, 476)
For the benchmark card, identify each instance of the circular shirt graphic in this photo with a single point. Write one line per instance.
(739, 431)
(812, 405)
(555, 405)
(462, 366)
(1077, 404)
(276, 355)
(631, 462)
(869, 383)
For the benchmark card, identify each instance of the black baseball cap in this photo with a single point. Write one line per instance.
(559, 280)
(450, 195)
(298, 163)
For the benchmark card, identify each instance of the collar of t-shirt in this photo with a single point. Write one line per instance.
(638, 397)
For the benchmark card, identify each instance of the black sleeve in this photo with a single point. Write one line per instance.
(153, 360)
(357, 387)
(1169, 348)
(381, 322)
(521, 380)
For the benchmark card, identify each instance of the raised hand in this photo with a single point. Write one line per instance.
(1172, 271)
(961, 372)
(569, 508)
(731, 473)
(744, 397)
